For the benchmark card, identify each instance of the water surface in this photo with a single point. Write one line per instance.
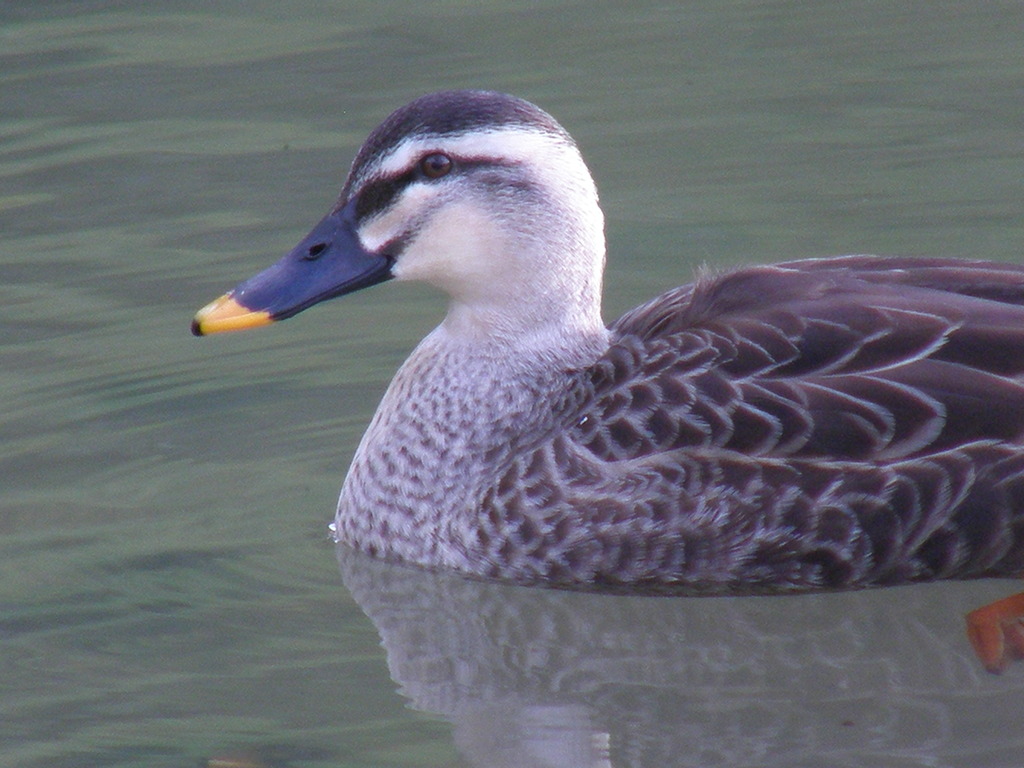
(168, 595)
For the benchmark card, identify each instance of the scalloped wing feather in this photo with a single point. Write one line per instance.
(827, 423)
(860, 359)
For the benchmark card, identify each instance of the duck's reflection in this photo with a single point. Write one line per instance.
(534, 677)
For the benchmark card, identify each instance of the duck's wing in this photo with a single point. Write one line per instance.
(858, 358)
(822, 423)
(818, 423)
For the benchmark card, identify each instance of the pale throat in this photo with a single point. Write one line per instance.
(506, 287)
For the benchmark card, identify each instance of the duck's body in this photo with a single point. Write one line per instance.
(832, 423)
(829, 423)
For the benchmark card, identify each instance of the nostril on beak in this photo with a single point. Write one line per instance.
(314, 251)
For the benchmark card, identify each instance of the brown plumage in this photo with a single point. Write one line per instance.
(829, 423)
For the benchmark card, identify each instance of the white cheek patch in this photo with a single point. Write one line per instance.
(454, 249)
(507, 145)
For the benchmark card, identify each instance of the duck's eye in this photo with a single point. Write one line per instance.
(435, 165)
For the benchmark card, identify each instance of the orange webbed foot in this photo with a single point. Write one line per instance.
(996, 632)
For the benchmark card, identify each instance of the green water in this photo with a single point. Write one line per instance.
(168, 594)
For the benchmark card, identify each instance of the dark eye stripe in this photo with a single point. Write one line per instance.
(378, 194)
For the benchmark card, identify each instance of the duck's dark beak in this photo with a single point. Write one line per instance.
(330, 261)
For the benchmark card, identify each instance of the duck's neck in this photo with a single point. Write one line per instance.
(455, 411)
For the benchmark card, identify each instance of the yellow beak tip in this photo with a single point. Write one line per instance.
(226, 314)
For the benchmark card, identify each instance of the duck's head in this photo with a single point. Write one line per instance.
(481, 194)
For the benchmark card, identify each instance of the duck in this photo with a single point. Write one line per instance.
(817, 424)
